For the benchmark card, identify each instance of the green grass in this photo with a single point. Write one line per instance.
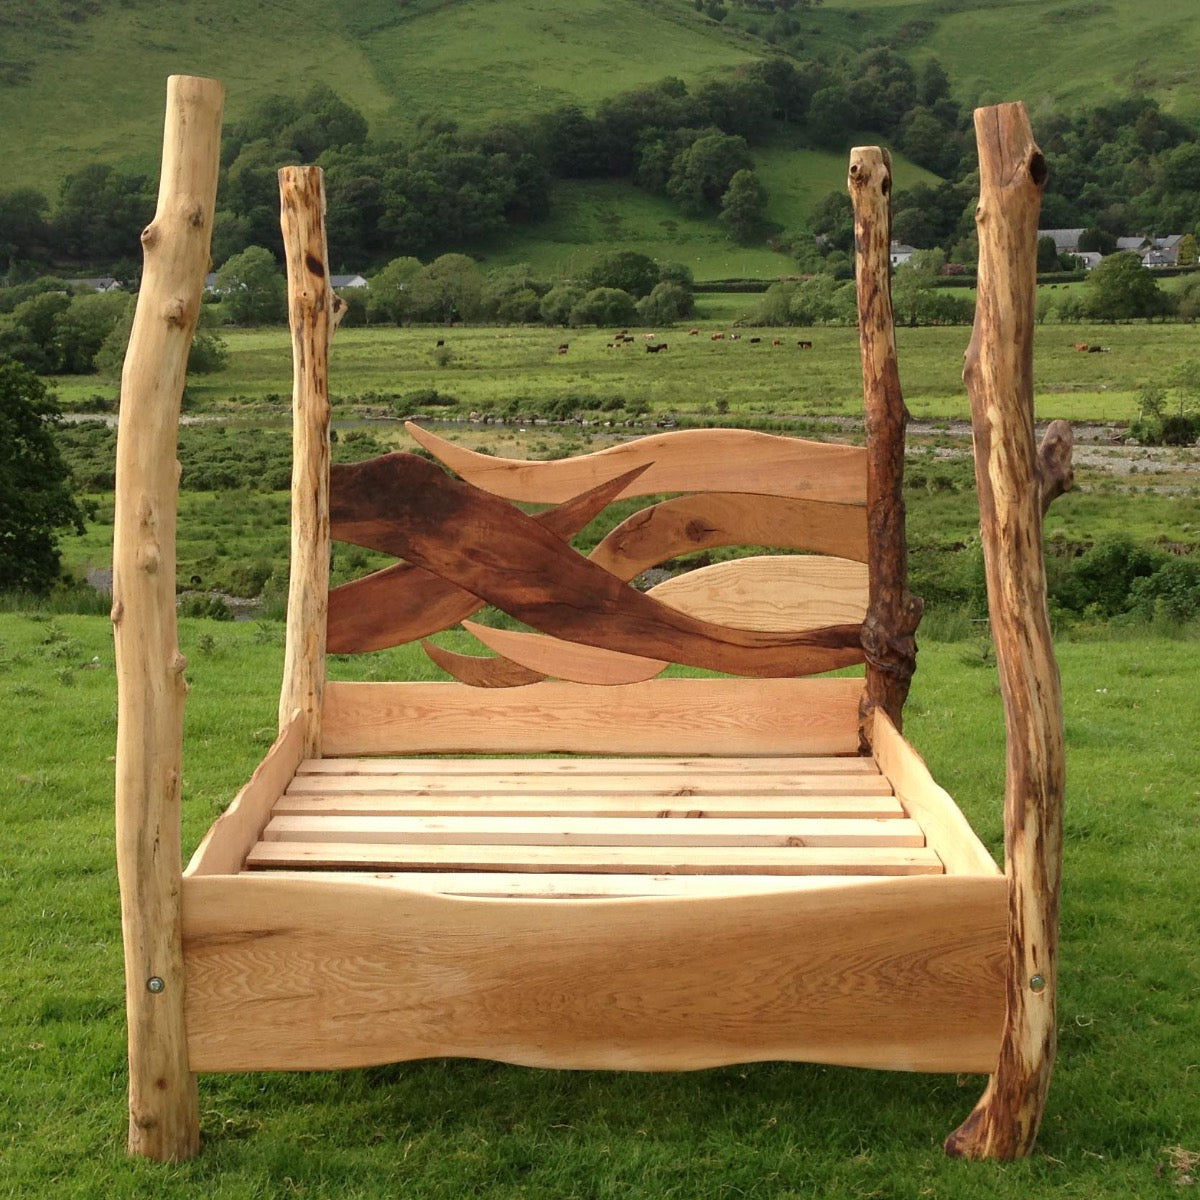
(472, 61)
(1122, 1107)
(490, 365)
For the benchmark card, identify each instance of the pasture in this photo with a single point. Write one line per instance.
(1121, 1119)
(488, 368)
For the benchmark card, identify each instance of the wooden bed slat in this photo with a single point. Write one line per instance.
(549, 885)
(692, 783)
(583, 805)
(684, 860)
(609, 831)
(551, 767)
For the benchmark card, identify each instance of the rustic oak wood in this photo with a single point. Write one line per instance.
(224, 848)
(310, 313)
(946, 829)
(623, 767)
(677, 860)
(585, 804)
(501, 830)
(664, 716)
(999, 377)
(498, 553)
(894, 613)
(164, 1120)
(686, 524)
(403, 603)
(477, 671)
(544, 885)
(311, 973)
(546, 655)
(771, 593)
(693, 460)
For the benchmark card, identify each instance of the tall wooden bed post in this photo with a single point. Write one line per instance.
(893, 613)
(164, 1118)
(1014, 485)
(311, 314)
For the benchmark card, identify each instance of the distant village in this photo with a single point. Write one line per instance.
(1153, 251)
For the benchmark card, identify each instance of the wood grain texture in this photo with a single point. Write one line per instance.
(224, 848)
(664, 716)
(894, 613)
(310, 314)
(403, 603)
(708, 520)
(325, 974)
(545, 885)
(570, 831)
(164, 1122)
(946, 829)
(546, 655)
(336, 802)
(656, 860)
(625, 767)
(476, 670)
(999, 377)
(771, 593)
(488, 548)
(688, 460)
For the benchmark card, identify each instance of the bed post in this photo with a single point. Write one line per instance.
(892, 612)
(1012, 482)
(311, 313)
(164, 1121)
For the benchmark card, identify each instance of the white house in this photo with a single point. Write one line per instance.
(901, 253)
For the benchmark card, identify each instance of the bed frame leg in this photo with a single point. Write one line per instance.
(1012, 481)
(893, 613)
(164, 1119)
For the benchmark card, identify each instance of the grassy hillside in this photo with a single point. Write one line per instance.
(1046, 52)
(469, 60)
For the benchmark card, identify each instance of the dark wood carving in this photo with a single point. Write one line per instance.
(495, 552)
(403, 603)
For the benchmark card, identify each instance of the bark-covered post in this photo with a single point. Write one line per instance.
(164, 1120)
(311, 312)
(892, 612)
(1012, 479)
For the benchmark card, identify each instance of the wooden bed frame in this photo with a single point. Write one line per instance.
(557, 858)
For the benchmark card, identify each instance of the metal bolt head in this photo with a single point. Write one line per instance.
(155, 984)
(1037, 983)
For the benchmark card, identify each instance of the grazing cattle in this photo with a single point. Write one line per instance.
(718, 337)
(655, 348)
(693, 333)
(564, 347)
(755, 340)
(441, 342)
(777, 341)
(804, 345)
(628, 338)
(650, 337)
(735, 337)
(1097, 349)
(1082, 346)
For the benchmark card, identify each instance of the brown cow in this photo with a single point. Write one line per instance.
(718, 337)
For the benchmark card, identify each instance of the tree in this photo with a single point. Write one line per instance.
(35, 493)
(666, 302)
(604, 306)
(625, 269)
(744, 206)
(254, 289)
(449, 289)
(1047, 254)
(1120, 288)
(1187, 252)
(388, 297)
(700, 174)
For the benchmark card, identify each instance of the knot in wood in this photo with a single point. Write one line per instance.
(176, 313)
(150, 237)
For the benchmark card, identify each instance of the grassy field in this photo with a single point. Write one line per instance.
(1121, 1120)
(490, 366)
